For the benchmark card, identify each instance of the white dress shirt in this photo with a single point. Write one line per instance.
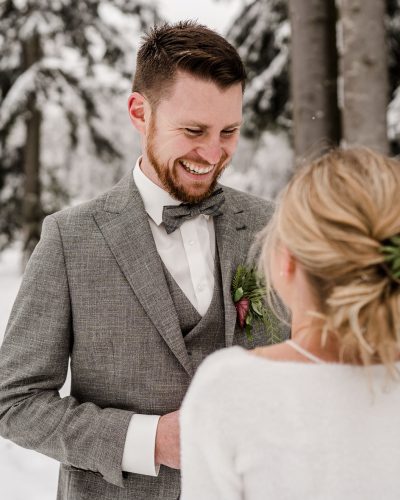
(189, 254)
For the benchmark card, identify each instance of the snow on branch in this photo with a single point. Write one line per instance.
(263, 82)
(42, 22)
(16, 99)
(393, 117)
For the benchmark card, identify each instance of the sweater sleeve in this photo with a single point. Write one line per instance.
(207, 448)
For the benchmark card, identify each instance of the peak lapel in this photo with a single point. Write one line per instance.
(124, 225)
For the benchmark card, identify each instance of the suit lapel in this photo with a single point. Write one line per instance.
(124, 225)
(229, 229)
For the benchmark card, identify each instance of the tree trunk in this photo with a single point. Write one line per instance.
(314, 72)
(364, 69)
(32, 208)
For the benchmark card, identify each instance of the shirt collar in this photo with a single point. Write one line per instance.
(154, 197)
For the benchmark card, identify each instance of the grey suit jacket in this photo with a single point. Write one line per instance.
(94, 292)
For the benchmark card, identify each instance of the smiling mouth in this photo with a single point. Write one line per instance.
(196, 169)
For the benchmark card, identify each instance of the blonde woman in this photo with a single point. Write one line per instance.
(316, 417)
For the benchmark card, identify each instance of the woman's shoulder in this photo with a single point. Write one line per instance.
(216, 388)
(224, 358)
(228, 372)
(223, 363)
(215, 369)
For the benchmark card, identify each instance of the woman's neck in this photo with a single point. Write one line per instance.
(307, 332)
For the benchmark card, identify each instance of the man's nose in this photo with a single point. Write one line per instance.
(210, 152)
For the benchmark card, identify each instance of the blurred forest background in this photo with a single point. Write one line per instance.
(321, 73)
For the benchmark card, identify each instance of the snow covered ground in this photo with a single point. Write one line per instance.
(24, 474)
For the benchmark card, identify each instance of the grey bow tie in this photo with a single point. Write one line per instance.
(174, 216)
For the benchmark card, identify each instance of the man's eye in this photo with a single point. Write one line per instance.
(229, 132)
(193, 131)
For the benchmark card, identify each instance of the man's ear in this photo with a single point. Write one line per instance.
(139, 109)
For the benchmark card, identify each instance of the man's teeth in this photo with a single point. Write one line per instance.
(195, 169)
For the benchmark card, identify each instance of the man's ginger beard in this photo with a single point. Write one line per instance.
(169, 178)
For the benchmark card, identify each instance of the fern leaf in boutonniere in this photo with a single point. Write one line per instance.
(248, 292)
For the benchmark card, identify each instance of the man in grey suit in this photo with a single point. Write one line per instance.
(134, 287)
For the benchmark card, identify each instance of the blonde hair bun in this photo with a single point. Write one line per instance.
(334, 216)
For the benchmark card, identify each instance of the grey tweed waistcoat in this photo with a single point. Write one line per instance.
(202, 335)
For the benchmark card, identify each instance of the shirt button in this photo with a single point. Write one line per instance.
(191, 242)
(200, 288)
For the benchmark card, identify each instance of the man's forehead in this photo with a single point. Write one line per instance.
(199, 103)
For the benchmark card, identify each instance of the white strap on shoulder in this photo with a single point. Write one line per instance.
(304, 352)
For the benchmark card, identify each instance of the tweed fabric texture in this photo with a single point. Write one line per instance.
(94, 292)
(188, 316)
(206, 335)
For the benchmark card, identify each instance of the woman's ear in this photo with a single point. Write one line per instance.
(287, 263)
(138, 110)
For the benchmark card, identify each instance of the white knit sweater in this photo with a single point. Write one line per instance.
(257, 429)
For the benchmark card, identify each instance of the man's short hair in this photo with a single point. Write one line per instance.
(188, 47)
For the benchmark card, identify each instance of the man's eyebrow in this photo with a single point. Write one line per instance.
(205, 127)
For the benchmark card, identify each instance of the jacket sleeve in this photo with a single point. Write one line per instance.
(34, 360)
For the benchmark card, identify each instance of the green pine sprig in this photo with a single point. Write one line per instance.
(392, 256)
(248, 284)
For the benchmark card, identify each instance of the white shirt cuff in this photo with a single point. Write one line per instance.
(140, 445)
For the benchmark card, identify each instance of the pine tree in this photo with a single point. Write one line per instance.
(364, 72)
(261, 32)
(393, 40)
(314, 76)
(62, 65)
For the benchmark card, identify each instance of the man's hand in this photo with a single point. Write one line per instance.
(167, 450)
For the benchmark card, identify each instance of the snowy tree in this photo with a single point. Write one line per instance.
(64, 64)
(393, 40)
(262, 35)
(263, 162)
(364, 72)
(314, 75)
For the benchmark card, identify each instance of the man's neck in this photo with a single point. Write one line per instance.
(148, 170)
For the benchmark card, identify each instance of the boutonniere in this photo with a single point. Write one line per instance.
(248, 293)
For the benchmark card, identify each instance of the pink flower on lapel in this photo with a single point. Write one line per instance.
(242, 309)
(248, 292)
